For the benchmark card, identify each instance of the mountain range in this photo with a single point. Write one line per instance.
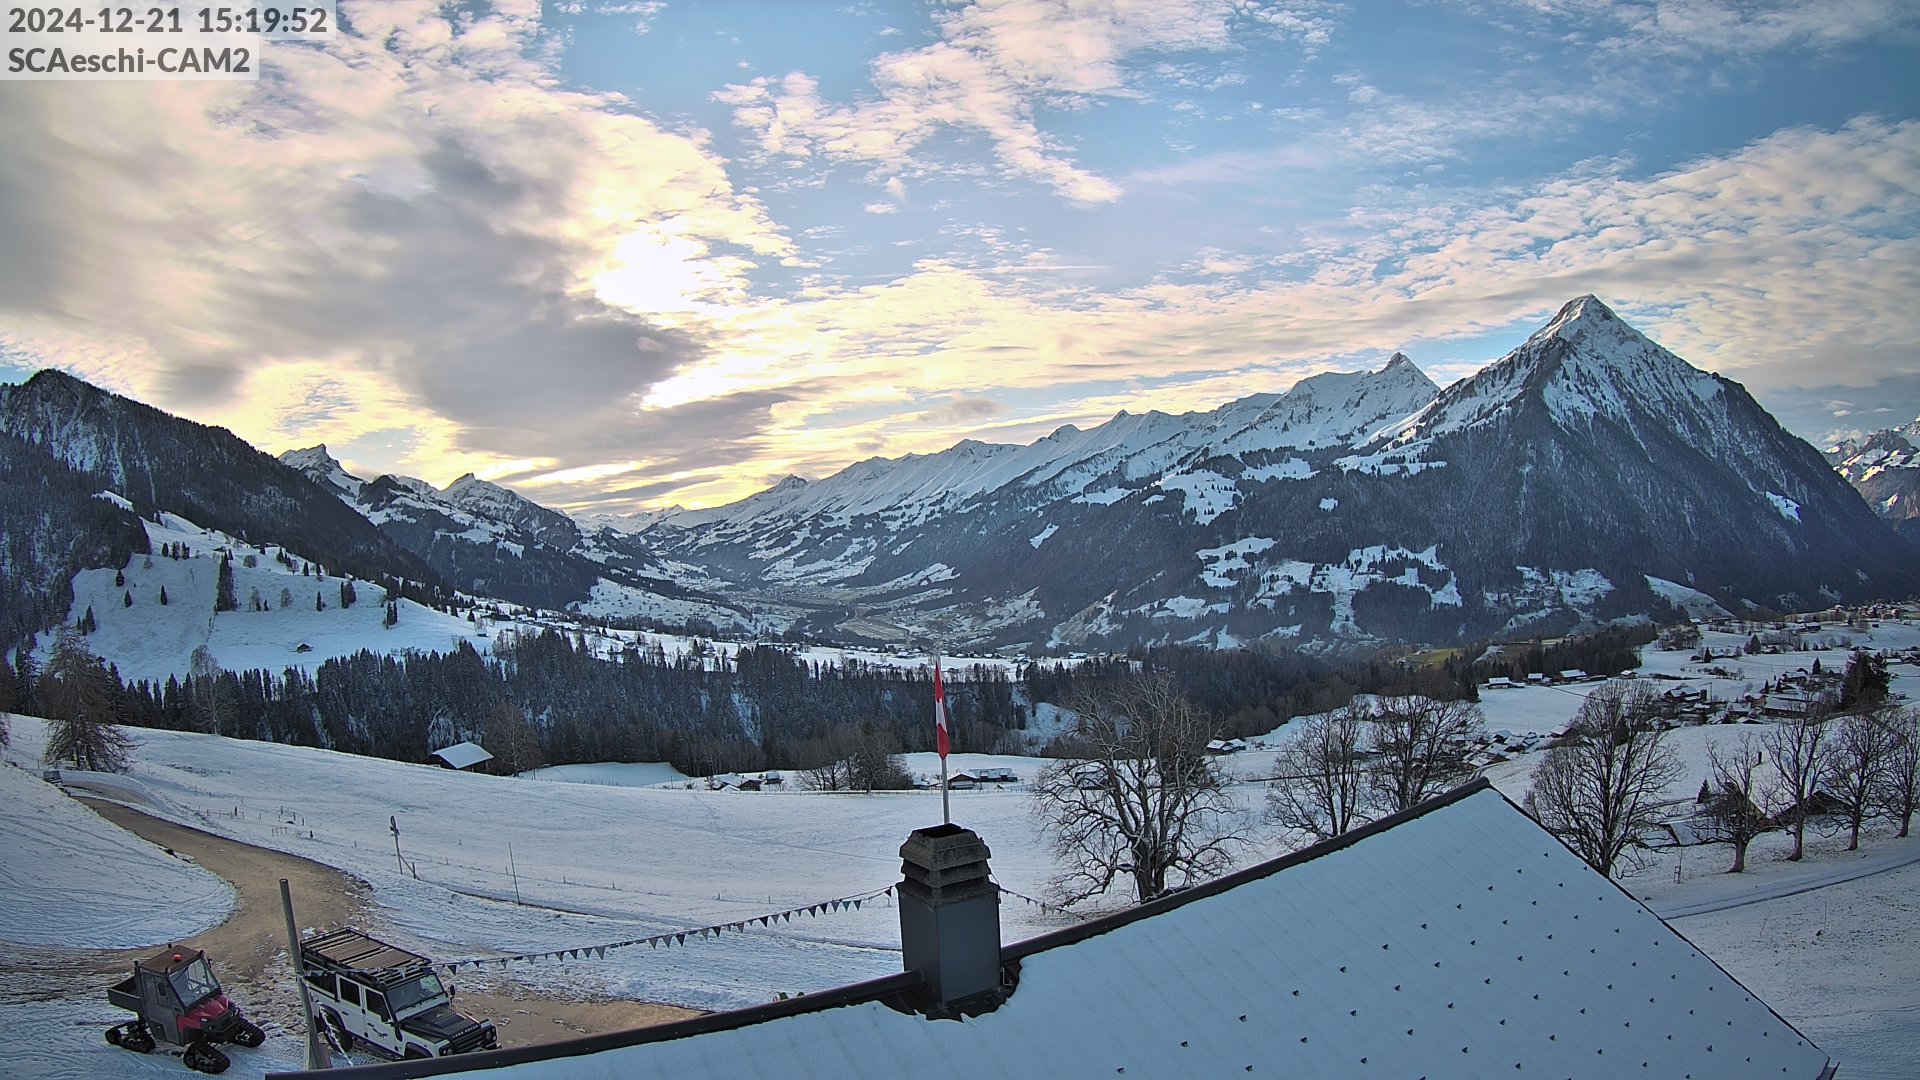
(1885, 468)
(1588, 477)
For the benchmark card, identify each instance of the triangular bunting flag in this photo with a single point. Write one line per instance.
(600, 954)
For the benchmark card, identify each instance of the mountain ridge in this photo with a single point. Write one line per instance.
(1588, 477)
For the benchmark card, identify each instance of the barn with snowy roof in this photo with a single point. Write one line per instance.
(1455, 940)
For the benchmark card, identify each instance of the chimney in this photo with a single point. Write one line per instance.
(950, 920)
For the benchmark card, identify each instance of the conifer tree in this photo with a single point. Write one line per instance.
(77, 696)
(126, 599)
(163, 596)
(223, 594)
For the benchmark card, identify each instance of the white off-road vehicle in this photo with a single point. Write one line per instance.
(368, 993)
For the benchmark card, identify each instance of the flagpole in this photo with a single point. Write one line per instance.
(940, 730)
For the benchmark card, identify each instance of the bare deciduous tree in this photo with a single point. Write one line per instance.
(1796, 749)
(1419, 748)
(1899, 794)
(76, 694)
(513, 739)
(209, 703)
(1322, 779)
(863, 758)
(1858, 752)
(1734, 794)
(1599, 791)
(1142, 798)
(832, 751)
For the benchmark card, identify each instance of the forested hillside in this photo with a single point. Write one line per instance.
(54, 525)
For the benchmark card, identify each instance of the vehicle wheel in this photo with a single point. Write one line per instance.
(204, 1057)
(249, 1034)
(415, 1052)
(342, 1038)
(134, 1037)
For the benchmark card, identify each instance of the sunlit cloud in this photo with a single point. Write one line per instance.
(431, 245)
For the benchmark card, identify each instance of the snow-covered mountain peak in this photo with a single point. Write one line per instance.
(470, 488)
(1885, 468)
(489, 500)
(1580, 316)
(1584, 363)
(320, 465)
(311, 457)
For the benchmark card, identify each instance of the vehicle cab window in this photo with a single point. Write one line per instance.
(350, 993)
(194, 982)
(409, 994)
(377, 1004)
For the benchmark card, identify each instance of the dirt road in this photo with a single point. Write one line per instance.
(249, 949)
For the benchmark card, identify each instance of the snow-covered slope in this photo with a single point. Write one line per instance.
(286, 618)
(68, 877)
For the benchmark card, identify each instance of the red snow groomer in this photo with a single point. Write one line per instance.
(179, 1002)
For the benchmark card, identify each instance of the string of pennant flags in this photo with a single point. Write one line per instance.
(682, 937)
(1041, 904)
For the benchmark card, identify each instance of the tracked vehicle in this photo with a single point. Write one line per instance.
(368, 993)
(178, 1001)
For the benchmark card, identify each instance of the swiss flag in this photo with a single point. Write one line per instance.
(939, 710)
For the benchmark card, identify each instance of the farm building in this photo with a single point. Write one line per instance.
(462, 755)
(1455, 940)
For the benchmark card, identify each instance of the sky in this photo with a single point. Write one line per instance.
(622, 255)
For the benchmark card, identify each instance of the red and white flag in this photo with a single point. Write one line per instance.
(939, 711)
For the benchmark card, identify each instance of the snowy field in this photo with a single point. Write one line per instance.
(604, 854)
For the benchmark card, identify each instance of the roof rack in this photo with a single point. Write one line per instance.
(347, 949)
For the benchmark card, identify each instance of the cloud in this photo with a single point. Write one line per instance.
(1745, 27)
(996, 63)
(419, 242)
(1735, 261)
(416, 210)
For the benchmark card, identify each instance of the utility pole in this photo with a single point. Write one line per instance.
(393, 822)
(317, 1056)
